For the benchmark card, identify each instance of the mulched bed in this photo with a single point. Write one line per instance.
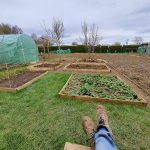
(103, 86)
(87, 66)
(20, 79)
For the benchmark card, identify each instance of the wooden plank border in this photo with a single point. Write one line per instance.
(4, 89)
(62, 94)
(70, 146)
(108, 70)
(34, 68)
(64, 60)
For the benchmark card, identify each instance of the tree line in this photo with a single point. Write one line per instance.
(6, 28)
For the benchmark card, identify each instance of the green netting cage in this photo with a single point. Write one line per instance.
(18, 49)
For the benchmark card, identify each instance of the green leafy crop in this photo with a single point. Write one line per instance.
(105, 86)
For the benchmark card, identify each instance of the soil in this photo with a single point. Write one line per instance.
(65, 60)
(87, 66)
(91, 60)
(19, 79)
(135, 67)
(48, 65)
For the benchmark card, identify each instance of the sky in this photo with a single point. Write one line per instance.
(118, 20)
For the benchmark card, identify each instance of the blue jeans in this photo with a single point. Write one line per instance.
(104, 140)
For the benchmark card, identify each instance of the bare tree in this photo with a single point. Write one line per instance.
(138, 40)
(74, 43)
(57, 31)
(85, 32)
(117, 44)
(34, 37)
(9, 29)
(127, 41)
(44, 43)
(16, 30)
(90, 36)
(94, 38)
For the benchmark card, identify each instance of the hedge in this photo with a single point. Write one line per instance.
(98, 49)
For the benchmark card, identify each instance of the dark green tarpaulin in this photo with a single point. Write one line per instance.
(17, 49)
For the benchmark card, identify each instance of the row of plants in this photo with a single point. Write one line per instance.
(98, 49)
(11, 71)
(104, 86)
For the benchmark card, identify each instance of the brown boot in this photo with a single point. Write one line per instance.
(102, 117)
(89, 129)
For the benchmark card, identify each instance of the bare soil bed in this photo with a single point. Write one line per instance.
(64, 60)
(51, 66)
(90, 60)
(47, 65)
(20, 79)
(87, 66)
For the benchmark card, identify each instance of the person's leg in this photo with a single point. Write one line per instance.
(102, 117)
(89, 128)
(103, 136)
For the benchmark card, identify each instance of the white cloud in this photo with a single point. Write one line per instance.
(117, 19)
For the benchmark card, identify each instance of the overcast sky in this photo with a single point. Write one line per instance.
(118, 20)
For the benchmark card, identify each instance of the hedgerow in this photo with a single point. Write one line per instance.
(98, 49)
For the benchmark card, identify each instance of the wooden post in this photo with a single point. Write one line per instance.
(8, 76)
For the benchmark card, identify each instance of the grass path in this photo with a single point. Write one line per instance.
(36, 118)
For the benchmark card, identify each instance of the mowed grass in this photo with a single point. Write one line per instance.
(36, 118)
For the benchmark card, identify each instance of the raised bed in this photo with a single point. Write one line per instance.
(88, 60)
(87, 67)
(100, 88)
(20, 81)
(45, 66)
(65, 60)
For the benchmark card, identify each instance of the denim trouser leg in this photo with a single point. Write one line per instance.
(104, 140)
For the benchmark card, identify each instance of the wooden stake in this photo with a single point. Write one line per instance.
(8, 76)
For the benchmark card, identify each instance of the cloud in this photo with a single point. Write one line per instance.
(117, 20)
(147, 30)
(143, 11)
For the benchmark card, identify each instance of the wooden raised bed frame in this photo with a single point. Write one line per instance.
(108, 70)
(102, 100)
(64, 60)
(34, 68)
(98, 61)
(4, 89)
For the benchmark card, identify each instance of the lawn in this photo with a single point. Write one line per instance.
(36, 118)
